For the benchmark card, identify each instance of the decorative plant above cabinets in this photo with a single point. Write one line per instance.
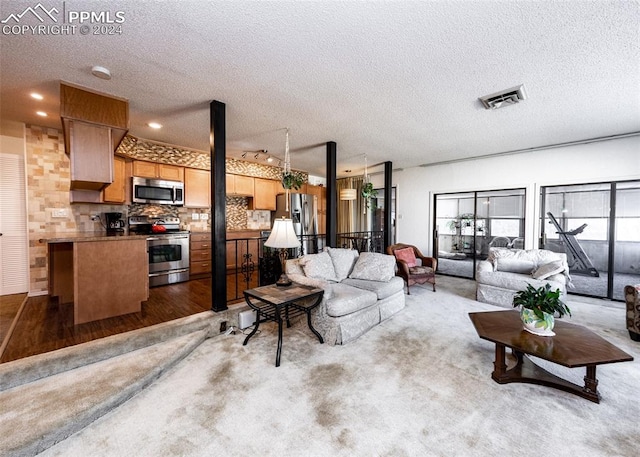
(292, 180)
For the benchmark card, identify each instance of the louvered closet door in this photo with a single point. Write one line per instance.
(14, 277)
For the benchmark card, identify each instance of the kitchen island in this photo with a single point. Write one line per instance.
(103, 276)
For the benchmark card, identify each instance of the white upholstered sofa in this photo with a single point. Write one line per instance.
(360, 290)
(507, 271)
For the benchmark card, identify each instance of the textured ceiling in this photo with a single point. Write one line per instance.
(396, 81)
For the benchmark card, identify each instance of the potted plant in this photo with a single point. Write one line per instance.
(368, 191)
(292, 180)
(538, 308)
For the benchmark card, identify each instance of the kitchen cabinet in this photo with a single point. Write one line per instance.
(101, 278)
(200, 255)
(155, 170)
(264, 193)
(94, 125)
(90, 155)
(116, 191)
(197, 188)
(239, 185)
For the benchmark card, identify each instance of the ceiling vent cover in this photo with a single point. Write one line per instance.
(504, 98)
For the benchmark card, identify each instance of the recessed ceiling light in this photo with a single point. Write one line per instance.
(37, 96)
(269, 159)
(41, 113)
(101, 72)
(154, 125)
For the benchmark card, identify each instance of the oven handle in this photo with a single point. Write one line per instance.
(169, 237)
(164, 273)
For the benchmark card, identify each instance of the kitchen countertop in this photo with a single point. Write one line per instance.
(80, 237)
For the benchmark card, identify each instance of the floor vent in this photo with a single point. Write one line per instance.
(504, 98)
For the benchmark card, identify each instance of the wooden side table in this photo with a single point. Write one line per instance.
(278, 304)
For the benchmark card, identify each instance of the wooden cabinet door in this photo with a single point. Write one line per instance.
(244, 185)
(197, 188)
(145, 169)
(170, 172)
(264, 194)
(230, 183)
(116, 191)
(91, 157)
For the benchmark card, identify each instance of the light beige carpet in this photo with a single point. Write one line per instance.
(417, 385)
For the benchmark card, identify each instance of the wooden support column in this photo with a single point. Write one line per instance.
(217, 138)
(332, 196)
(388, 229)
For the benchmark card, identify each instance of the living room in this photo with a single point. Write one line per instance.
(397, 82)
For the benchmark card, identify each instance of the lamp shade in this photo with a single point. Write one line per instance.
(282, 235)
(348, 194)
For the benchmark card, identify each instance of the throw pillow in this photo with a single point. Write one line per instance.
(318, 266)
(548, 269)
(374, 267)
(514, 265)
(407, 255)
(343, 261)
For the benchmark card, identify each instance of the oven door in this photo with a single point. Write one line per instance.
(169, 252)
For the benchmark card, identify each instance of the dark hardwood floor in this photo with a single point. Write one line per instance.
(45, 325)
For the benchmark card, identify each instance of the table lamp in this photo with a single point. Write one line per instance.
(283, 236)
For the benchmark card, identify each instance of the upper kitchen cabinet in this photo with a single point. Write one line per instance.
(116, 192)
(197, 188)
(264, 196)
(94, 124)
(240, 185)
(155, 170)
(90, 155)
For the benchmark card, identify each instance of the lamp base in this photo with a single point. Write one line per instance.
(283, 281)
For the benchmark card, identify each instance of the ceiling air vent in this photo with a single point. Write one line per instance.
(504, 98)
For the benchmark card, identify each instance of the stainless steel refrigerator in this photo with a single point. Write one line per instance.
(303, 211)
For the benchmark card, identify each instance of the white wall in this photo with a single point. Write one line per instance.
(611, 160)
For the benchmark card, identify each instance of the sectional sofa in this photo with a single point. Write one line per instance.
(360, 290)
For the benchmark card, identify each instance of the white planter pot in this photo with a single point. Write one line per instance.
(535, 325)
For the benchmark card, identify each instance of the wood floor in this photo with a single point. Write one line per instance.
(44, 325)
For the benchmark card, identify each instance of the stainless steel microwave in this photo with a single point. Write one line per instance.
(157, 191)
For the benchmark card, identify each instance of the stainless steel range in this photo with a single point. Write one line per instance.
(168, 248)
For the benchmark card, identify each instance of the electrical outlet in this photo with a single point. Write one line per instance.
(195, 216)
(204, 216)
(223, 326)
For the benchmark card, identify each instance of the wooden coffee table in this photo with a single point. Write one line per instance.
(573, 346)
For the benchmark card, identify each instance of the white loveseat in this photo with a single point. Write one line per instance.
(360, 291)
(507, 271)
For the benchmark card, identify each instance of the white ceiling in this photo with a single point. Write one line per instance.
(398, 81)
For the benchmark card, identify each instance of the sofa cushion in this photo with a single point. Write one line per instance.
(318, 266)
(293, 267)
(512, 265)
(420, 270)
(374, 266)
(549, 269)
(407, 255)
(382, 289)
(346, 299)
(343, 261)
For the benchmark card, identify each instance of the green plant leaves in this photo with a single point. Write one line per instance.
(541, 300)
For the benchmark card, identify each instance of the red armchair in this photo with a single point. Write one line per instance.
(413, 267)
